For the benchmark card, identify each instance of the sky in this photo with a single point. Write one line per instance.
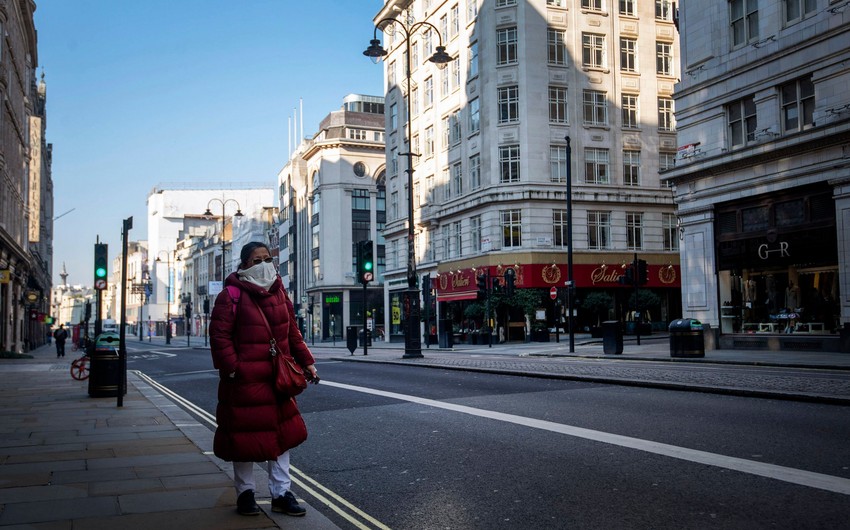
(153, 92)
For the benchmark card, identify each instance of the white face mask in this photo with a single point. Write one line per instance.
(263, 274)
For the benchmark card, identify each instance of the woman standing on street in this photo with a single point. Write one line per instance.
(256, 424)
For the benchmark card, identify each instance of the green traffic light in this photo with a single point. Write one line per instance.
(367, 265)
(100, 272)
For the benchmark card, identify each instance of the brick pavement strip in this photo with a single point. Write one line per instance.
(811, 388)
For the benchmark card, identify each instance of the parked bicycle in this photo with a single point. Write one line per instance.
(80, 368)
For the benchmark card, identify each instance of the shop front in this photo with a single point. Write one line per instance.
(777, 264)
(597, 277)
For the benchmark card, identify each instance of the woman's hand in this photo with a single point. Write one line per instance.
(312, 374)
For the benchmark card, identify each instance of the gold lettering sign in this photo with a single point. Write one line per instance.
(604, 275)
(459, 281)
(551, 274)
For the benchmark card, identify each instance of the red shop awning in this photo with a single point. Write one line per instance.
(453, 297)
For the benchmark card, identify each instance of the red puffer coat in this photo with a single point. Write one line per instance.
(254, 423)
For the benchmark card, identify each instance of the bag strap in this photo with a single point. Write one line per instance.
(272, 340)
(235, 293)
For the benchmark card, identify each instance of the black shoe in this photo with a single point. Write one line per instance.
(288, 504)
(246, 505)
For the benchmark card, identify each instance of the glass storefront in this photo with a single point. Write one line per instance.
(778, 264)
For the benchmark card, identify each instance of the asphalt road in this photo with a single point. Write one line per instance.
(416, 448)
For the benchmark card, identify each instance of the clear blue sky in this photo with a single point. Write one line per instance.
(145, 92)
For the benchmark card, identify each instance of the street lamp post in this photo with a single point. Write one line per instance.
(168, 293)
(209, 215)
(375, 51)
(571, 281)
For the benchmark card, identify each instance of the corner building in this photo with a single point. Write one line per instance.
(490, 167)
(762, 180)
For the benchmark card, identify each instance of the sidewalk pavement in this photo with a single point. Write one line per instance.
(70, 461)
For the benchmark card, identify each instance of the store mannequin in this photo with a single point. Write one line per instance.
(792, 295)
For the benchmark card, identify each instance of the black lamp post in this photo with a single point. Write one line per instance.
(412, 340)
(168, 293)
(571, 281)
(209, 215)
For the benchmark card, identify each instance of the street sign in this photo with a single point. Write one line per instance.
(367, 276)
(100, 285)
(553, 293)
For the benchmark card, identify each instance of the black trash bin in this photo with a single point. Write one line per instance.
(844, 334)
(612, 337)
(368, 337)
(686, 338)
(105, 369)
(445, 334)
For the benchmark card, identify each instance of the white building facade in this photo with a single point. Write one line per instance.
(490, 130)
(762, 181)
(332, 196)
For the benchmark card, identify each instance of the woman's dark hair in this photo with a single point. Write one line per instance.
(248, 249)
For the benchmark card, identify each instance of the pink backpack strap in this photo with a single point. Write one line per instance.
(234, 293)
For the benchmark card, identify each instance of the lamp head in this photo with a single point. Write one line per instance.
(238, 213)
(375, 51)
(441, 58)
(208, 214)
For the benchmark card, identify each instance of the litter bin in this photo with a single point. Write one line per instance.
(351, 338)
(368, 337)
(612, 337)
(686, 338)
(844, 334)
(105, 369)
(445, 335)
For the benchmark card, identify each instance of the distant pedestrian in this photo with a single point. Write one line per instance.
(60, 335)
(255, 424)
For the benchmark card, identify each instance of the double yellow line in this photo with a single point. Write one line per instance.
(354, 515)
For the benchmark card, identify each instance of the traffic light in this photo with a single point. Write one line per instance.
(510, 280)
(426, 291)
(101, 267)
(628, 277)
(497, 286)
(643, 273)
(365, 262)
(481, 281)
(87, 315)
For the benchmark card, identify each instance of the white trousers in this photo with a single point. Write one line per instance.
(279, 479)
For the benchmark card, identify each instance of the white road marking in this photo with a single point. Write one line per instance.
(785, 474)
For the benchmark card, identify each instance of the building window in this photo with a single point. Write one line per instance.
(454, 128)
(454, 21)
(444, 27)
(455, 74)
(446, 130)
(509, 163)
(456, 244)
(457, 179)
(475, 233)
(665, 115)
(664, 58)
(444, 82)
(628, 55)
(744, 21)
(429, 92)
(360, 200)
(474, 116)
(390, 75)
(394, 205)
(394, 161)
(592, 50)
(595, 107)
(798, 104)
(598, 230)
(631, 168)
(627, 7)
(666, 161)
(557, 104)
(428, 44)
(592, 5)
(557, 47)
(447, 184)
(634, 230)
(742, 121)
(559, 228)
(596, 166)
(664, 10)
(414, 101)
(475, 171)
(797, 10)
(508, 104)
(511, 228)
(393, 117)
(630, 111)
(505, 3)
(447, 239)
(415, 149)
(668, 227)
(414, 56)
(472, 71)
(429, 141)
(429, 189)
(506, 46)
(558, 163)
(555, 3)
